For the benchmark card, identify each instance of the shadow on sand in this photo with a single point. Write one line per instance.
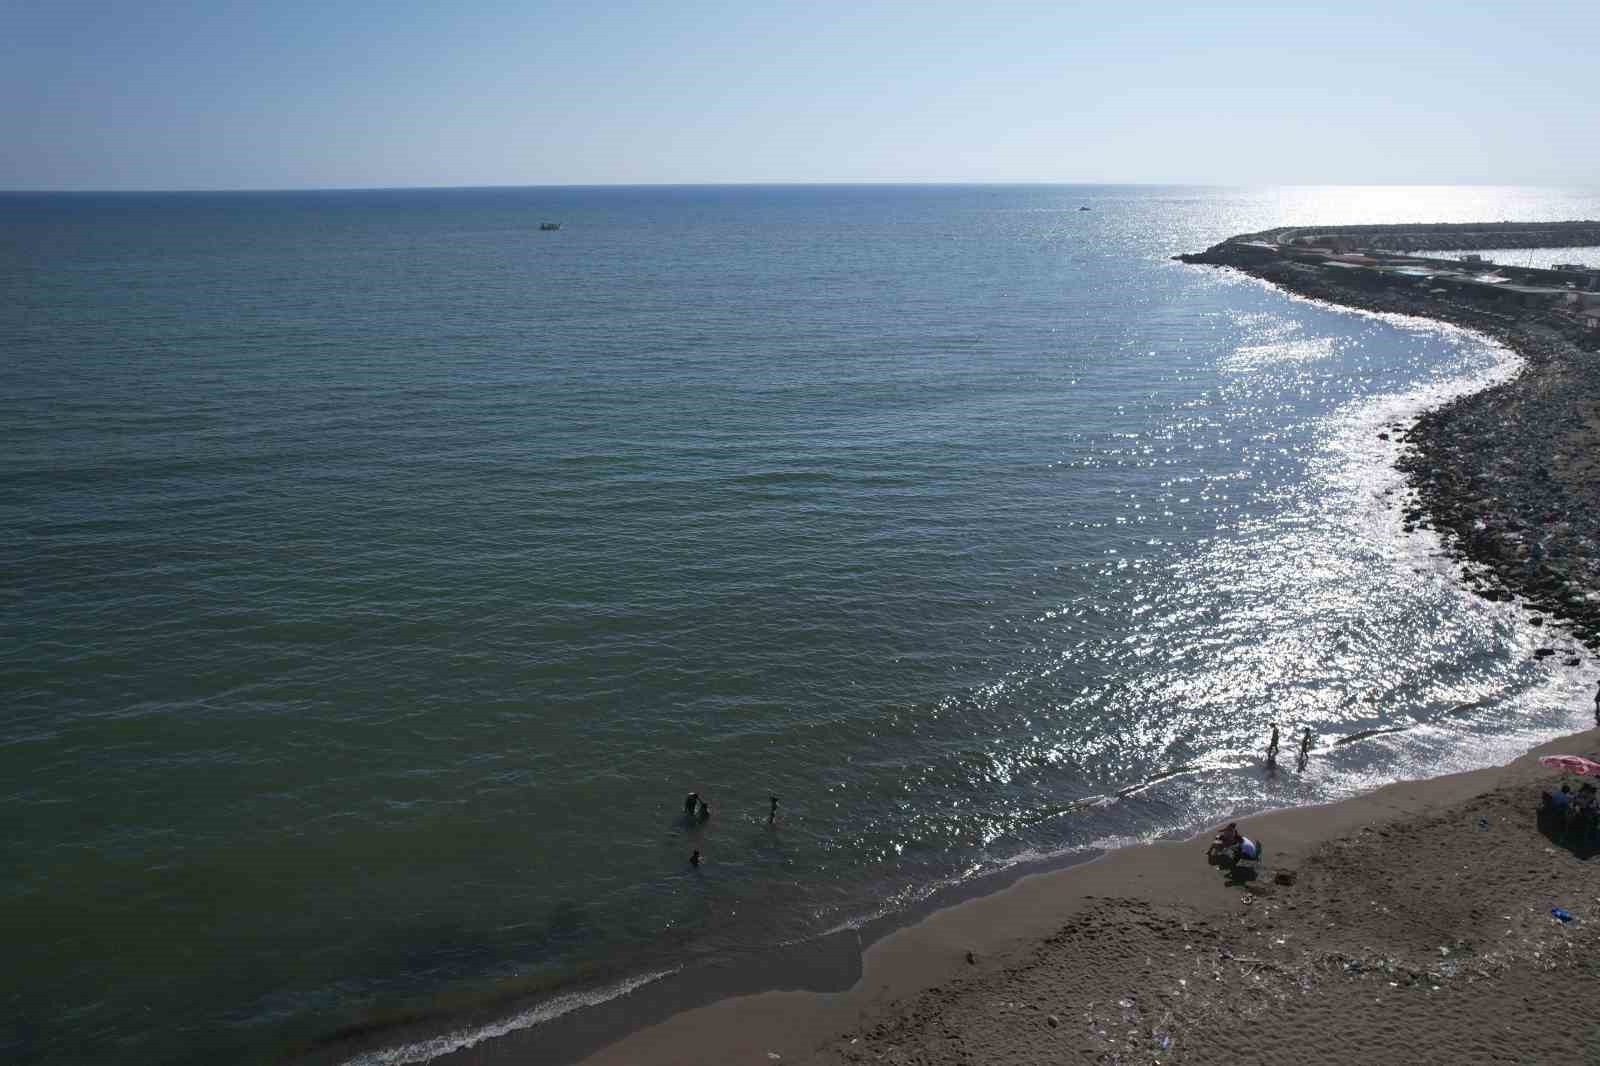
(1579, 835)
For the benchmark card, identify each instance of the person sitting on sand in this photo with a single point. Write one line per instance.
(1232, 845)
(1226, 840)
(1554, 807)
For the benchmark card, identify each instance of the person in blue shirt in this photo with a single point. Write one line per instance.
(1233, 845)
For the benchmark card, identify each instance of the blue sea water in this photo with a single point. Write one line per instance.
(380, 571)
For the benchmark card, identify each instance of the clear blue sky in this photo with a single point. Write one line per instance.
(129, 94)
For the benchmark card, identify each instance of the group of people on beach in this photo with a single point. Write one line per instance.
(696, 811)
(1305, 746)
(1572, 815)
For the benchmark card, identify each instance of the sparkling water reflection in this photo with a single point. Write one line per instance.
(374, 601)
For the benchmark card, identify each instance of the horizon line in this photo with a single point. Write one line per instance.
(846, 183)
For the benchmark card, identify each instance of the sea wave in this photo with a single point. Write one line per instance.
(462, 1039)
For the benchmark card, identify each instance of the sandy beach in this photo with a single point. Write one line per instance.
(1410, 924)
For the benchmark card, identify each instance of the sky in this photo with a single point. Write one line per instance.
(166, 94)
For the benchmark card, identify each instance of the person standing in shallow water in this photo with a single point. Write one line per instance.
(772, 815)
(1305, 750)
(1272, 748)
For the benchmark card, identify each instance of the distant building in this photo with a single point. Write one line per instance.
(1589, 275)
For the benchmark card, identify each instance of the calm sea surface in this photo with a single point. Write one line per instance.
(378, 572)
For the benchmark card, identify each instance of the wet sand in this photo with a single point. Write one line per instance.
(1414, 921)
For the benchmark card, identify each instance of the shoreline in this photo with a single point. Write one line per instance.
(824, 965)
(858, 981)
(959, 949)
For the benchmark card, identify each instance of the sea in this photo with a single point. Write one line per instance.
(380, 571)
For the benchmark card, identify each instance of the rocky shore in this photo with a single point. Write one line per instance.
(1511, 475)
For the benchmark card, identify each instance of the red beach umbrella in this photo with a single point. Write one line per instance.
(1576, 764)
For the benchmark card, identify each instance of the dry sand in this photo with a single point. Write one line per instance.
(1409, 925)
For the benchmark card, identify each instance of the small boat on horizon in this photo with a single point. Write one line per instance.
(1085, 208)
(549, 225)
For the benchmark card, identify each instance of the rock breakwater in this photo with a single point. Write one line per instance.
(1447, 236)
(1510, 476)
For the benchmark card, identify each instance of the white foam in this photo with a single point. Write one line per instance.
(461, 1039)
